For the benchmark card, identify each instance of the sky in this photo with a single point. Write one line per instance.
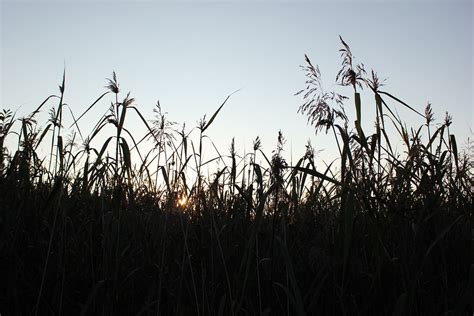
(190, 55)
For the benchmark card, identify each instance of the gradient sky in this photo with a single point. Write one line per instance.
(191, 55)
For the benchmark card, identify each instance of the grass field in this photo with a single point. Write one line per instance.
(111, 230)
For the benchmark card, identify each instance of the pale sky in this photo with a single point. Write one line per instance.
(191, 54)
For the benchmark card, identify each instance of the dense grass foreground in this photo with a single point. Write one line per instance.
(112, 230)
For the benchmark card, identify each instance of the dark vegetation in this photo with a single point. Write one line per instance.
(112, 230)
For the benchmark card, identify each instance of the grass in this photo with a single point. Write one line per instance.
(113, 230)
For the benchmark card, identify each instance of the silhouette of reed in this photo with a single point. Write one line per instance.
(108, 229)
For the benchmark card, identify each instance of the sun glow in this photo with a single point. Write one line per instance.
(182, 201)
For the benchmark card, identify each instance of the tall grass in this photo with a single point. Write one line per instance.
(114, 230)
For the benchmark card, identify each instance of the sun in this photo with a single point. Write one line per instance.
(182, 201)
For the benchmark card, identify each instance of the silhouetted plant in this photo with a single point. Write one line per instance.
(104, 229)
